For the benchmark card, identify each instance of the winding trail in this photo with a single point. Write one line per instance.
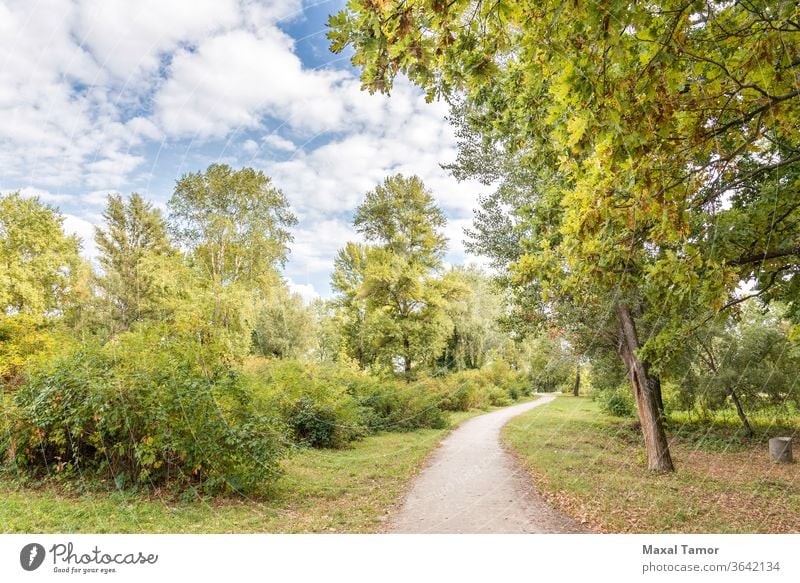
(472, 485)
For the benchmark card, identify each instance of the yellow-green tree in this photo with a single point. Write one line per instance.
(661, 140)
(40, 270)
(390, 291)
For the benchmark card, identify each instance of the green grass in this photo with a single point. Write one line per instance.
(346, 491)
(592, 466)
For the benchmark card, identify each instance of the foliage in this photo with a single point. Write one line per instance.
(133, 231)
(549, 361)
(618, 403)
(282, 324)
(40, 281)
(234, 223)
(475, 312)
(393, 303)
(145, 410)
(750, 358)
(38, 259)
(318, 412)
(662, 153)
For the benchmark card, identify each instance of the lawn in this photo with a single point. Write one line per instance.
(592, 467)
(345, 491)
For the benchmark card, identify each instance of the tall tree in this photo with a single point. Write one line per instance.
(657, 133)
(391, 286)
(40, 271)
(133, 232)
(38, 261)
(234, 225)
(350, 306)
(234, 222)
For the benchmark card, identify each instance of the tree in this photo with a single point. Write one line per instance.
(40, 269)
(549, 360)
(38, 260)
(283, 326)
(656, 134)
(394, 300)
(350, 306)
(133, 231)
(234, 226)
(747, 361)
(233, 222)
(475, 312)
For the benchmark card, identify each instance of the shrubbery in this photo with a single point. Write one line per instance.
(618, 402)
(496, 385)
(150, 409)
(145, 417)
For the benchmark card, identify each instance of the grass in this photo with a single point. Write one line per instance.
(592, 466)
(345, 491)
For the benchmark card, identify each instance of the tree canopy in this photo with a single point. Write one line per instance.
(660, 140)
(235, 222)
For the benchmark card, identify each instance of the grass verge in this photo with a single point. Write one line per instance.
(346, 491)
(592, 467)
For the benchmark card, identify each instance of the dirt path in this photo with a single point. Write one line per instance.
(472, 485)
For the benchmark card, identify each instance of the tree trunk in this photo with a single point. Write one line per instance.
(646, 391)
(576, 389)
(740, 411)
(407, 355)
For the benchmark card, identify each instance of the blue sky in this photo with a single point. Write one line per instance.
(100, 96)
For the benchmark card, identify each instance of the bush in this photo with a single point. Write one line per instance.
(144, 417)
(497, 397)
(496, 385)
(618, 403)
(405, 408)
(334, 405)
(319, 411)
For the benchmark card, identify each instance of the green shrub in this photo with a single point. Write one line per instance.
(497, 397)
(618, 403)
(319, 411)
(144, 412)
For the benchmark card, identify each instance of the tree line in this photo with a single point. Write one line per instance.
(182, 358)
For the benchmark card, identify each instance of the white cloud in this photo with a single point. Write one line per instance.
(129, 39)
(91, 89)
(85, 231)
(277, 142)
(233, 80)
(42, 195)
(306, 291)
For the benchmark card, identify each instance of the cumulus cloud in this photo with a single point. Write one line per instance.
(305, 290)
(85, 231)
(93, 91)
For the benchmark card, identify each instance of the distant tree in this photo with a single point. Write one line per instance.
(475, 312)
(393, 298)
(329, 342)
(350, 304)
(283, 326)
(133, 231)
(38, 261)
(748, 362)
(234, 223)
(549, 361)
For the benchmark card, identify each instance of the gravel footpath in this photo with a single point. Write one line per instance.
(472, 485)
